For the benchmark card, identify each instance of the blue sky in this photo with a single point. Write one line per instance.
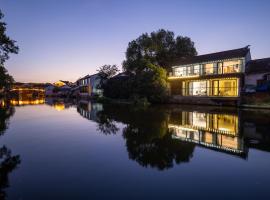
(67, 39)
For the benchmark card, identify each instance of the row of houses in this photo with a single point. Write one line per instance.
(220, 76)
(87, 86)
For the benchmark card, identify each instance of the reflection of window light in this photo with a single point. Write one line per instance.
(223, 129)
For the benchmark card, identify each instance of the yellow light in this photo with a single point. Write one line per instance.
(59, 106)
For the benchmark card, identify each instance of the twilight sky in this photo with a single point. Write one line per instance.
(67, 39)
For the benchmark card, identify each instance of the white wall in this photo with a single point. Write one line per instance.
(251, 79)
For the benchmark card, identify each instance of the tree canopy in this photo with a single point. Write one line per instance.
(160, 48)
(7, 46)
(108, 71)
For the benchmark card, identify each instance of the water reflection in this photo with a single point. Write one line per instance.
(60, 104)
(161, 136)
(213, 130)
(8, 161)
(23, 102)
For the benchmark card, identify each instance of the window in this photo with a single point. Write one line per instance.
(231, 66)
(180, 71)
(228, 87)
(197, 88)
(220, 67)
(196, 69)
(209, 68)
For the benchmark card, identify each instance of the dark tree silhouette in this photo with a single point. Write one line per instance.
(7, 46)
(160, 48)
(8, 162)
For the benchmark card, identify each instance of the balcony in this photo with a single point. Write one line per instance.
(197, 71)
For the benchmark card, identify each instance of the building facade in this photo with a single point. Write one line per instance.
(258, 74)
(216, 76)
(89, 85)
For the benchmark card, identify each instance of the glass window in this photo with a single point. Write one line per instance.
(196, 69)
(209, 68)
(228, 87)
(231, 66)
(198, 88)
(180, 71)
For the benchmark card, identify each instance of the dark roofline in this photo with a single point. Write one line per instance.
(222, 55)
(257, 66)
(87, 76)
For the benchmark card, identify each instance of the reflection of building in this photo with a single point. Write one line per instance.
(27, 102)
(89, 110)
(59, 104)
(216, 76)
(217, 131)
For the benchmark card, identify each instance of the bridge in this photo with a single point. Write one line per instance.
(26, 93)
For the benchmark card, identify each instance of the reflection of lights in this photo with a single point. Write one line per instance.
(27, 89)
(181, 128)
(224, 129)
(59, 106)
(27, 102)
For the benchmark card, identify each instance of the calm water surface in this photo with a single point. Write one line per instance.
(84, 150)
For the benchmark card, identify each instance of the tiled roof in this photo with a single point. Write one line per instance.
(234, 53)
(258, 66)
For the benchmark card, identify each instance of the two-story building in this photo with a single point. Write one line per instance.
(89, 85)
(216, 77)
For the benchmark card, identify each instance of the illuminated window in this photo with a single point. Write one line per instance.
(197, 88)
(209, 68)
(231, 66)
(228, 87)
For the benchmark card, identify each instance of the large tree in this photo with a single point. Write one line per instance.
(7, 46)
(160, 48)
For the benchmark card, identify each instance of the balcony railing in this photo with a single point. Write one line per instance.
(187, 72)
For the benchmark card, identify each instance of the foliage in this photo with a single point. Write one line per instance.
(148, 85)
(7, 46)
(149, 58)
(152, 84)
(119, 87)
(160, 48)
(108, 71)
(5, 79)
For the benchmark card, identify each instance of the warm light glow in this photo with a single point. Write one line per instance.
(59, 106)
(27, 102)
(28, 89)
(59, 84)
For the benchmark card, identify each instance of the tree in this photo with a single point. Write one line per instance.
(108, 71)
(152, 84)
(160, 48)
(7, 46)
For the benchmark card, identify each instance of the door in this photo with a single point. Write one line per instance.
(215, 88)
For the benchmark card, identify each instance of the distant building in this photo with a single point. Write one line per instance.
(49, 90)
(90, 85)
(258, 74)
(59, 83)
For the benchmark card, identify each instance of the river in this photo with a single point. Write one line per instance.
(58, 149)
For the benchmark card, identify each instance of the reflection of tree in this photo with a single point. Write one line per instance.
(158, 152)
(5, 113)
(8, 162)
(147, 138)
(7, 165)
(105, 124)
